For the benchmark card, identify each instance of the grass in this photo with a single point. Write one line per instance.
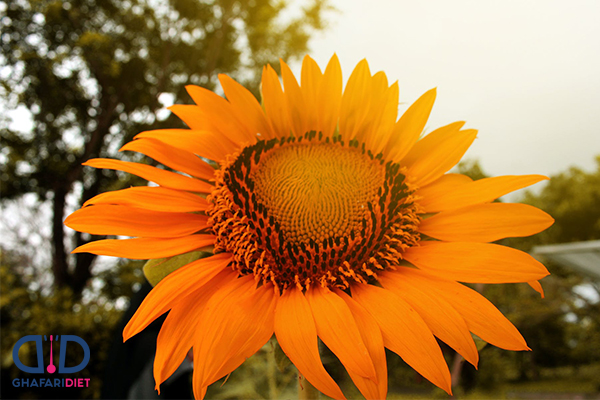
(556, 383)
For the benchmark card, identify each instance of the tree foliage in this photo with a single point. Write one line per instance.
(562, 329)
(92, 72)
(572, 198)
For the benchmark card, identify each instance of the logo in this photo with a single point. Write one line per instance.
(51, 368)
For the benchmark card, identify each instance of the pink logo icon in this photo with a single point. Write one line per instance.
(51, 368)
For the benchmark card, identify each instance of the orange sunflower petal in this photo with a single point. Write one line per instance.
(337, 329)
(193, 116)
(154, 198)
(295, 101)
(275, 102)
(297, 335)
(436, 138)
(311, 78)
(480, 315)
(371, 336)
(537, 286)
(483, 318)
(382, 129)
(378, 90)
(160, 176)
(443, 320)
(257, 326)
(175, 339)
(226, 293)
(109, 219)
(175, 286)
(246, 107)
(407, 130)
(241, 322)
(217, 115)
(405, 333)
(475, 262)
(146, 248)
(356, 101)
(428, 194)
(176, 336)
(486, 222)
(476, 192)
(203, 143)
(330, 97)
(439, 155)
(172, 157)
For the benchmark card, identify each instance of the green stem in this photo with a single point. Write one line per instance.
(271, 368)
(306, 391)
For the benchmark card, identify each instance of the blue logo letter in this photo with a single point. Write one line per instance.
(38, 347)
(63, 352)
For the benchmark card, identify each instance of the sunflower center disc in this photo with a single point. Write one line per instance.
(297, 212)
(317, 191)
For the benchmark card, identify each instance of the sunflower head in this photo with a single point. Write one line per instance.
(312, 210)
(326, 216)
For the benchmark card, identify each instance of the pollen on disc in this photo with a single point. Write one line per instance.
(317, 191)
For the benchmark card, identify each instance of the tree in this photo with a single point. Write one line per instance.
(91, 72)
(563, 329)
(572, 198)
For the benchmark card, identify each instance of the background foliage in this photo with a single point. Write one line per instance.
(94, 73)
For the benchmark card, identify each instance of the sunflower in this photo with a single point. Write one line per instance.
(325, 217)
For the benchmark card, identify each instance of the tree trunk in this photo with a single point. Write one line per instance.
(83, 264)
(60, 266)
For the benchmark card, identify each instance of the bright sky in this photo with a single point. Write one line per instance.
(526, 74)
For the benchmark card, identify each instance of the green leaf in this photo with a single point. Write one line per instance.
(155, 270)
(480, 344)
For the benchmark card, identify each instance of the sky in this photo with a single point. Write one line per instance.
(526, 74)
